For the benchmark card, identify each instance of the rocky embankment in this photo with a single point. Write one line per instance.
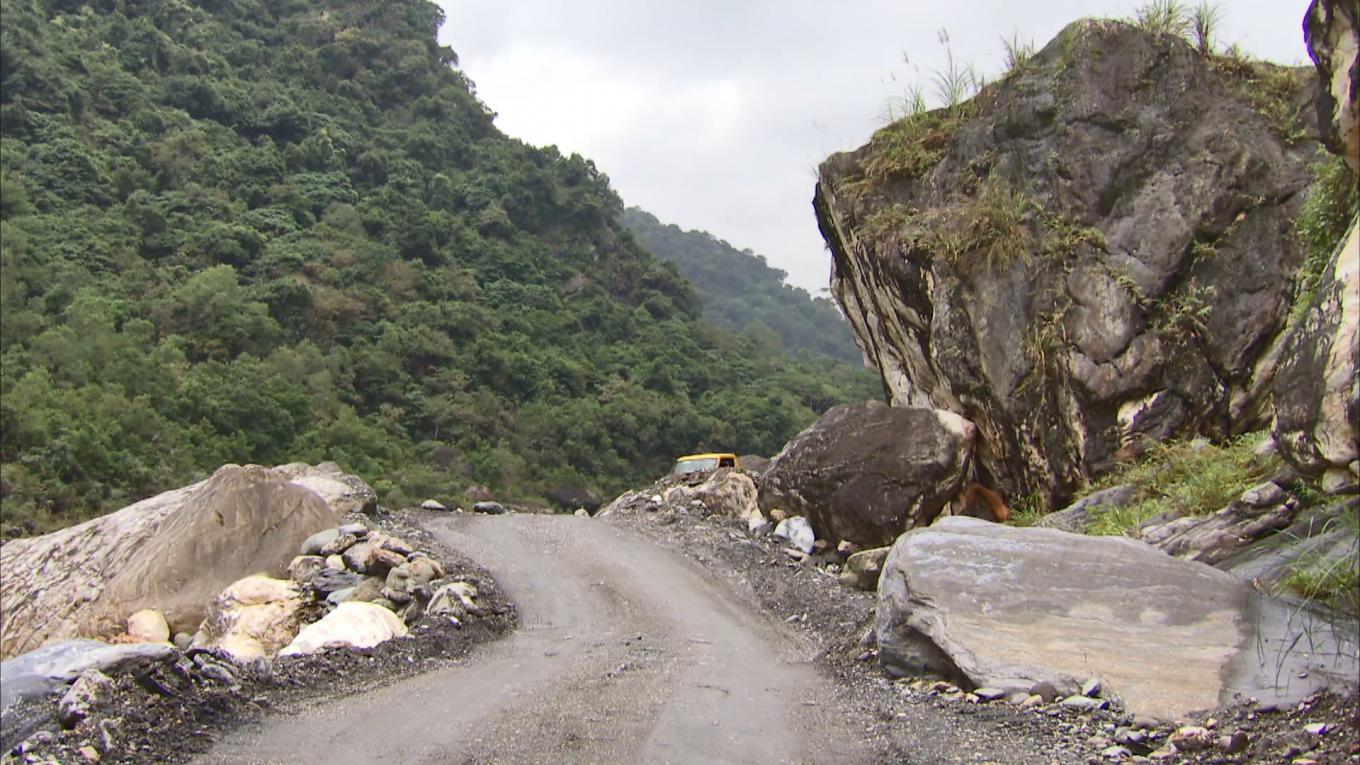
(331, 595)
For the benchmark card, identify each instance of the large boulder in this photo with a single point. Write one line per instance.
(1092, 255)
(253, 618)
(868, 472)
(342, 492)
(173, 552)
(1004, 607)
(352, 624)
(1317, 396)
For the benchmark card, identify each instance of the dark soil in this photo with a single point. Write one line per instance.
(168, 713)
(837, 622)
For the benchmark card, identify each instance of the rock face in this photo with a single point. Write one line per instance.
(868, 472)
(1059, 260)
(1317, 402)
(173, 552)
(991, 605)
(1331, 29)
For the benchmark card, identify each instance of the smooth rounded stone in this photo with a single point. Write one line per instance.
(1045, 690)
(340, 596)
(431, 504)
(581, 512)
(410, 612)
(863, 568)
(183, 640)
(252, 618)
(1091, 688)
(990, 694)
(335, 563)
(1084, 703)
(304, 568)
(1317, 729)
(88, 689)
(1234, 742)
(385, 603)
(1033, 700)
(1018, 698)
(777, 515)
(352, 624)
(424, 570)
(1264, 494)
(330, 580)
(359, 557)
(496, 508)
(454, 599)
(369, 590)
(148, 626)
(357, 530)
(312, 545)
(342, 543)
(1116, 752)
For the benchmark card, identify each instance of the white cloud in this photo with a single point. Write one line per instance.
(713, 114)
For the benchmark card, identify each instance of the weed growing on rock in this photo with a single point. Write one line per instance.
(1332, 204)
(1204, 21)
(989, 230)
(1163, 17)
(1018, 51)
(1184, 478)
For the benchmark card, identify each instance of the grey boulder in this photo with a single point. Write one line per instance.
(991, 605)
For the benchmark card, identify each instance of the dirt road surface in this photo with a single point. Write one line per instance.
(626, 653)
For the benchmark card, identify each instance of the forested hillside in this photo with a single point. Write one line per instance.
(272, 231)
(740, 291)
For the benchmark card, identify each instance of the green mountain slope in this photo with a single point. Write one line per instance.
(270, 231)
(740, 291)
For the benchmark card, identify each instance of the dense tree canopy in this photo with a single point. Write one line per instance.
(740, 291)
(249, 231)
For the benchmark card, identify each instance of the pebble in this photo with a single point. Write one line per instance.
(990, 694)
(1091, 688)
(1115, 753)
(1192, 738)
(89, 753)
(1317, 729)
(1085, 703)
(1044, 689)
(1233, 743)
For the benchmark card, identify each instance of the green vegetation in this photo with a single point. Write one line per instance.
(1204, 23)
(1019, 51)
(267, 231)
(1163, 17)
(1331, 580)
(1184, 478)
(1328, 212)
(740, 291)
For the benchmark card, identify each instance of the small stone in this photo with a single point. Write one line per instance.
(1091, 688)
(304, 568)
(1085, 703)
(820, 546)
(357, 530)
(1303, 761)
(432, 504)
(496, 508)
(148, 626)
(183, 640)
(339, 545)
(1165, 753)
(1033, 700)
(89, 753)
(83, 694)
(581, 512)
(990, 694)
(796, 554)
(1211, 723)
(335, 563)
(778, 515)
(1192, 738)
(397, 545)
(1233, 743)
(1115, 753)
(941, 686)
(1044, 689)
(1018, 698)
(1318, 729)
(846, 548)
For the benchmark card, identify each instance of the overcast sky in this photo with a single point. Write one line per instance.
(713, 114)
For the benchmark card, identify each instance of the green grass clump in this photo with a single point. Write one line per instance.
(1333, 580)
(1332, 203)
(1185, 479)
(1163, 17)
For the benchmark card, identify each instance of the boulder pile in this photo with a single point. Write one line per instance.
(338, 579)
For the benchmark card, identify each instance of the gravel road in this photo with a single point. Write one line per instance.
(626, 652)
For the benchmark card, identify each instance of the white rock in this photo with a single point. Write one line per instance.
(798, 531)
(148, 626)
(352, 624)
(252, 618)
(431, 504)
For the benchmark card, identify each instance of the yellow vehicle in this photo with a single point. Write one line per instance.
(695, 463)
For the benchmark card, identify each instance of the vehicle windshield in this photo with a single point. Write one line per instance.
(693, 466)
